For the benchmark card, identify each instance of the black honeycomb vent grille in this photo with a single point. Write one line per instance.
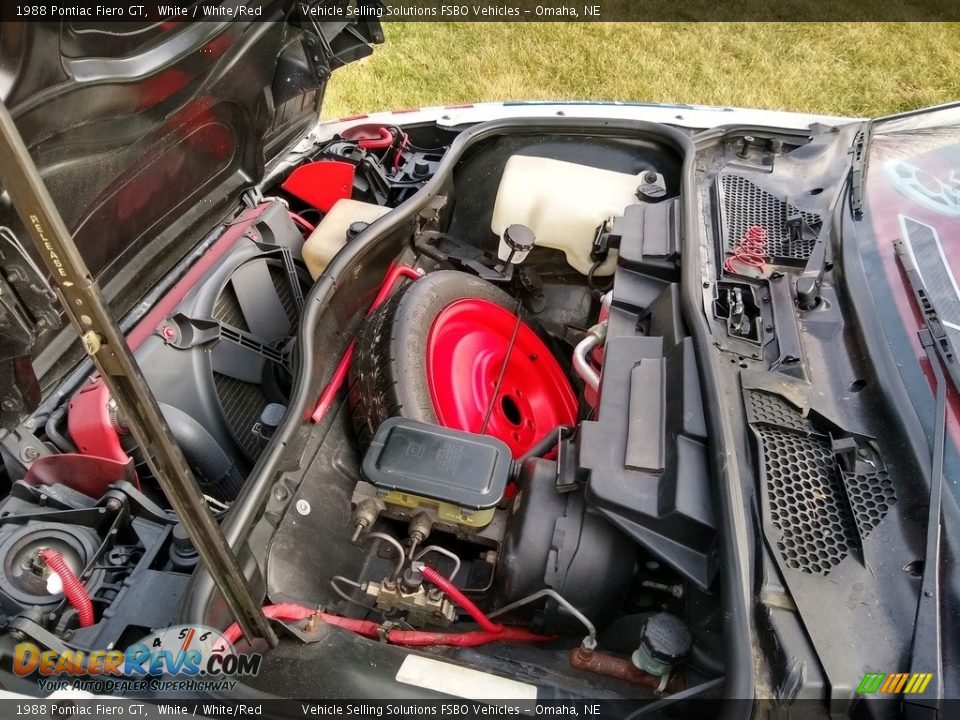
(746, 204)
(871, 497)
(819, 513)
(769, 409)
(807, 500)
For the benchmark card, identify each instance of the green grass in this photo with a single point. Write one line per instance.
(844, 69)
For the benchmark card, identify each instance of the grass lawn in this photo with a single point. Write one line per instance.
(843, 69)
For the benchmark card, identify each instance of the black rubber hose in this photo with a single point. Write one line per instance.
(59, 437)
(216, 472)
(546, 443)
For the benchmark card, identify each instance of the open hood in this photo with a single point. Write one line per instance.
(146, 133)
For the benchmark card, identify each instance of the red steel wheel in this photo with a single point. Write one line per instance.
(447, 349)
(488, 375)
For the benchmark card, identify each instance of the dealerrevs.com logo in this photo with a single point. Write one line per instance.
(188, 657)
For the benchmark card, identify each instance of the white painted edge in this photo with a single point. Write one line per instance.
(460, 681)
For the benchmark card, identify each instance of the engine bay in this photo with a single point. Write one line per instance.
(507, 465)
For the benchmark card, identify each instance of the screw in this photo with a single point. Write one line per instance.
(29, 453)
(650, 176)
(675, 590)
(745, 148)
(303, 507)
(9, 404)
(280, 493)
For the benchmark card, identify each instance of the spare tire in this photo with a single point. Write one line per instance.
(435, 352)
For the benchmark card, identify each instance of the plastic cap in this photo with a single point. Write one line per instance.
(664, 641)
(519, 237)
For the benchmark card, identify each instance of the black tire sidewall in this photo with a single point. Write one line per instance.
(390, 365)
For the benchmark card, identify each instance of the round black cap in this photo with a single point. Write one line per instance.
(665, 638)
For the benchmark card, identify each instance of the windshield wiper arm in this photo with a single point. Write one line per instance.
(926, 651)
(858, 169)
(927, 654)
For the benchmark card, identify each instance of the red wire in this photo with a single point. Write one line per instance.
(73, 589)
(751, 251)
(460, 599)
(368, 628)
(399, 153)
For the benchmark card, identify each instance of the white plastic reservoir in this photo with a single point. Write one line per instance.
(330, 234)
(563, 203)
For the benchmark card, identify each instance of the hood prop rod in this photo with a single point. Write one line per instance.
(82, 302)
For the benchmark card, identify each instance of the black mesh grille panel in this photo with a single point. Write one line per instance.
(807, 501)
(745, 204)
(242, 403)
(871, 497)
(769, 409)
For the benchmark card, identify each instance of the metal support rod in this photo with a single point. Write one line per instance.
(82, 302)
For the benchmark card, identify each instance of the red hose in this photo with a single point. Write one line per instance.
(73, 589)
(309, 227)
(291, 611)
(464, 639)
(368, 628)
(460, 599)
(329, 394)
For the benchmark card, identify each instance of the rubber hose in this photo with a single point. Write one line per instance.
(73, 589)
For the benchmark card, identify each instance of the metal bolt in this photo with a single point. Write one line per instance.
(675, 590)
(29, 453)
(9, 404)
(280, 493)
(650, 176)
(745, 147)
(303, 507)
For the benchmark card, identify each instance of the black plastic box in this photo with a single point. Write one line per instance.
(430, 461)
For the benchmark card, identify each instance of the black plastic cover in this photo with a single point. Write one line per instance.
(461, 468)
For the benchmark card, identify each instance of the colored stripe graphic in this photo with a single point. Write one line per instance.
(870, 683)
(894, 683)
